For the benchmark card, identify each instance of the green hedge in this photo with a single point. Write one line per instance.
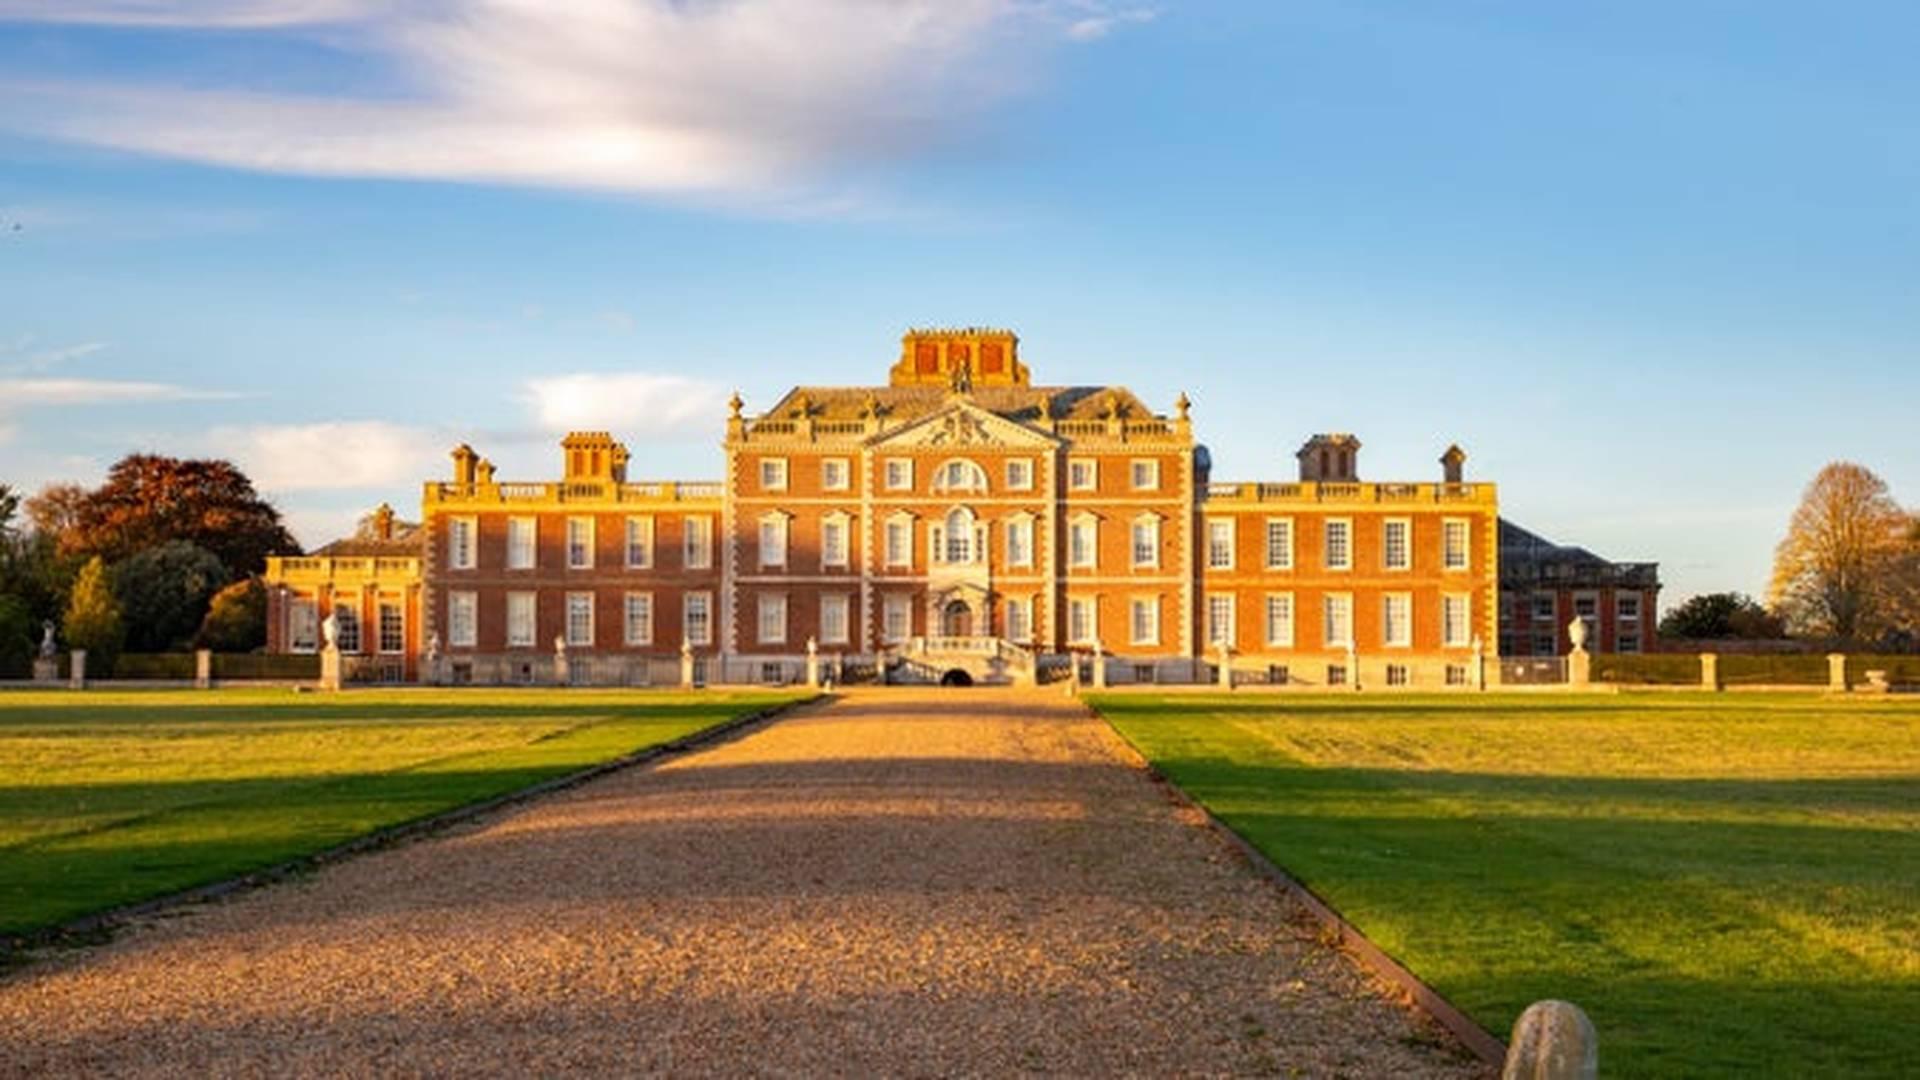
(175, 666)
(277, 666)
(1647, 669)
(1784, 669)
(1900, 667)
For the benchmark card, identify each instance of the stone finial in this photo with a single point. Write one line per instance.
(1112, 410)
(1182, 405)
(870, 408)
(734, 405)
(1552, 1040)
(1577, 634)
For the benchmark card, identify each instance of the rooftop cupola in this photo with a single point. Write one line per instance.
(1453, 464)
(959, 358)
(1330, 458)
(593, 455)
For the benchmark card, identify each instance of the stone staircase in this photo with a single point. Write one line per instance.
(984, 661)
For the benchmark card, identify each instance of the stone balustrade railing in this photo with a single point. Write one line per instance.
(1310, 492)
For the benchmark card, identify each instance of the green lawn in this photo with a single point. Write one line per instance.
(108, 798)
(1729, 885)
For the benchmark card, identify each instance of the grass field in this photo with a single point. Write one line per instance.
(1730, 886)
(109, 798)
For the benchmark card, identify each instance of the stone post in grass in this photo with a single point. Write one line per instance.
(1837, 672)
(1099, 666)
(203, 669)
(1478, 676)
(1579, 661)
(1710, 671)
(813, 664)
(77, 670)
(1552, 1040)
(686, 664)
(1226, 668)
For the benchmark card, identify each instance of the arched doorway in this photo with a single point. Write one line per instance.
(956, 677)
(956, 619)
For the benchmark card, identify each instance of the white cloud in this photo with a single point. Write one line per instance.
(1100, 20)
(19, 356)
(635, 405)
(751, 96)
(15, 393)
(331, 455)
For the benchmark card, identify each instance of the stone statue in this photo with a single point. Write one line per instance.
(433, 647)
(46, 640)
(330, 630)
(1577, 633)
(560, 646)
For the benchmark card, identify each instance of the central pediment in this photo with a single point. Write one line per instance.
(964, 424)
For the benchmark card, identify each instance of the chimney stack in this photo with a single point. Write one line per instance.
(1453, 464)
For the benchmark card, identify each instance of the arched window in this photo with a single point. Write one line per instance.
(959, 538)
(959, 475)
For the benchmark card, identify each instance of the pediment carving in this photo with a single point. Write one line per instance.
(965, 425)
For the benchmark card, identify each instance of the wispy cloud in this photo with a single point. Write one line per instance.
(333, 455)
(660, 96)
(21, 356)
(636, 405)
(18, 393)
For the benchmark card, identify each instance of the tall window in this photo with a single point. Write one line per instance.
(959, 538)
(1083, 541)
(833, 474)
(698, 533)
(1337, 631)
(696, 618)
(773, 474)
(900, 541)
(1280, 620)
(1546, 607)
(1220, 628)
(773, 618)
(899, 474)
(580, 619)
(833, 540)
(896, 618)
(1145, 474)
(1083, 474)
(1279, 543)
(393, 626)
(1146, 542)
(1082, 621)
(463, 620)
(1220, 544)
(520, 619)
(579, 543)
(1339, 544)
(773, 540)
(639, 543)
(461, 543)
(1020, 542)
(1019, 618)
(1019, 474)
(522, 535)
(1395, 551)
(1145, 621)
(1456, 628)
(1396, 620)
(639, 618)
(346, 622)
(833, 619)
(1453, 547)
(303, 626)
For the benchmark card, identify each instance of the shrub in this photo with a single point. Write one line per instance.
(163, 593)
(16, 638)
(236, 620)
(93, 620)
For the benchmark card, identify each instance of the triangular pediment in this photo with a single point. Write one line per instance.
(964, 424)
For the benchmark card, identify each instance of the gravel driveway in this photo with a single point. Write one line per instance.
(905, 883)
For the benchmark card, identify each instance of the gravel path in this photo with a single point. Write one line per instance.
(903, 883)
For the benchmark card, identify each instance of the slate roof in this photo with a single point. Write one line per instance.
(1018, 403)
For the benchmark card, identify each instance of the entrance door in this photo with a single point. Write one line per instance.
(956, 620)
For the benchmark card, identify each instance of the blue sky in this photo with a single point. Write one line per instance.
(1651, 264)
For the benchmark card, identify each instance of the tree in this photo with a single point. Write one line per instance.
(1722, 615)
(163, 593)
(149, 499)
(237, 619)
(1833, 572)
(16, 637)
(9, 506)
(93, 619)
(56, 510)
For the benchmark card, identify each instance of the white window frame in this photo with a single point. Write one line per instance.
(463, 619)
(828, 467)
(1285, 561)
(1020, 540)
(896, 618)
(1620, 601)
(771, 619)
(521, 633)
(585, 562)
(959, 474)
(1406, 544)
(1083, 620)
(523, 543)
(1076, 466)
(463, 543)
(1332, 636)
(1151, 523)
(1404, 638)
(1280, 640)
(579, 640)
(352, 637)
(1216, 527)
(1151, 467)
(703, 602)
(1150, 606)
(1221, 629)
(1019, 474)
(1465, 637)
(381, 605)
(843, 522)
(696, 541)
(1448, 552)
(1019, 615)
(637, 630)
(773, 474)
(773, 556)
(303, 624)
(902, 480)
(640, 542)
(1345, 528)
(1087, 556)
(843, 604)
(898, 527)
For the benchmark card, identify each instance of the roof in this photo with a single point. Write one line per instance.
(1018, 403)
(1526, 556)
(405, 540)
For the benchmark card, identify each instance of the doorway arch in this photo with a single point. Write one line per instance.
(956, 619)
